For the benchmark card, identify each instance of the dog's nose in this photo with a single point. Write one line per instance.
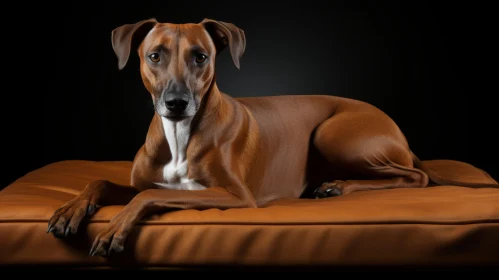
(176, 104)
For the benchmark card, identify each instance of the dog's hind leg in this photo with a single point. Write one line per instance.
(370, 145)
(396, 177)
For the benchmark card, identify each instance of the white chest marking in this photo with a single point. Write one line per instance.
(175, 171)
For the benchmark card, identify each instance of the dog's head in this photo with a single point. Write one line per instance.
(177, 61)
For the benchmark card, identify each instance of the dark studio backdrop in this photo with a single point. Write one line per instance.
(427, 65)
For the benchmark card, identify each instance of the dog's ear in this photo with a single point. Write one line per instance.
(226, 34)
(129, 36)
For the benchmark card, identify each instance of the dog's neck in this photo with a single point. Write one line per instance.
(210, 108)
(178, 133)
(215, 112)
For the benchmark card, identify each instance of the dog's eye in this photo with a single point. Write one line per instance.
(154, 57)
(200, 58)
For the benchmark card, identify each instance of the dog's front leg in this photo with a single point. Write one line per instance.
(67, 218)
(150, 201)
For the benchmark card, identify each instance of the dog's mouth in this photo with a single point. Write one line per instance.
(173, 116)
(176, 118)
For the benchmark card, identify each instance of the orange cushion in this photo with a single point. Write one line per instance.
(444, 225)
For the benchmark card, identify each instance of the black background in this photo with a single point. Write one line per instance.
(430, 66)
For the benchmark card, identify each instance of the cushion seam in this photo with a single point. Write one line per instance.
(485, 221)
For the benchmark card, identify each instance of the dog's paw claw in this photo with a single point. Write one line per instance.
(98, 249)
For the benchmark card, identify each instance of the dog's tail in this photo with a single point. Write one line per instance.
(439, 180)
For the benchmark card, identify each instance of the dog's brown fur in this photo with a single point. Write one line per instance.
(245, 151)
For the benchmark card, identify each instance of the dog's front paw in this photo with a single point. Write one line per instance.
(113, 238)
(108, 241)
(67, 218)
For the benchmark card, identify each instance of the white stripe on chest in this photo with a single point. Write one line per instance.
(175, 171)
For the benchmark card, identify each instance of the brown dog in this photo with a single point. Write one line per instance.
(205, 149)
